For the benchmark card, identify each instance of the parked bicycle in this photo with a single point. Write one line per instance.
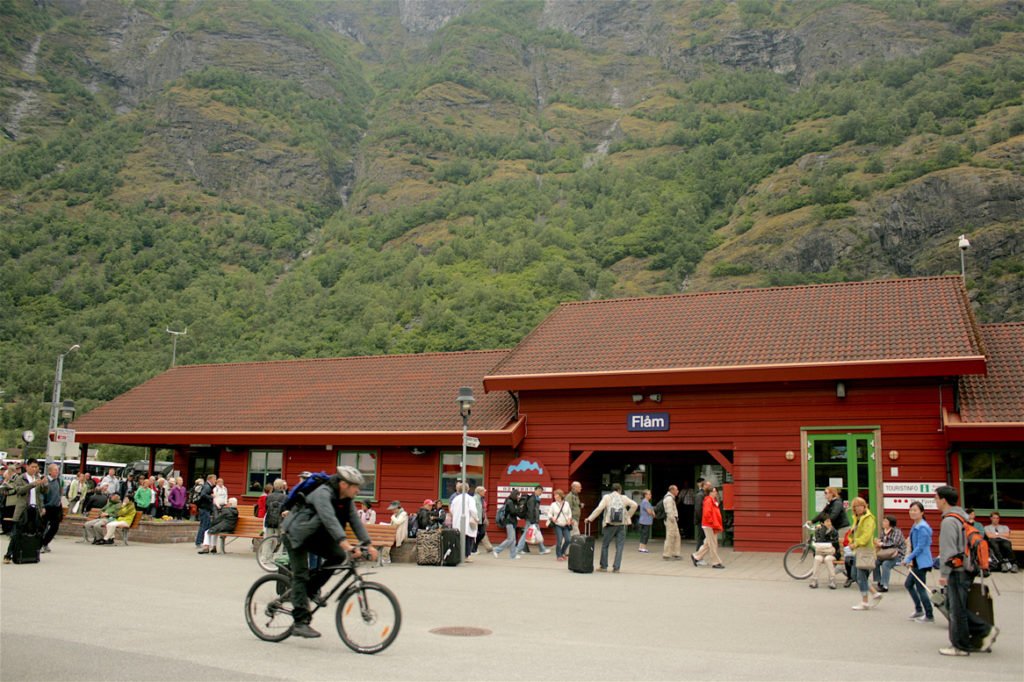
(368, 616)
(269, 553)
(799, 559)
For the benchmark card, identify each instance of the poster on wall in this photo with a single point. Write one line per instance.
(524, 475)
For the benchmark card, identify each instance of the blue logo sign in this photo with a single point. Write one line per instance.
(648, 421)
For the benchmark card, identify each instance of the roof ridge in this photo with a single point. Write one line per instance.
(722, 292)
(989, 325)
(344, 357)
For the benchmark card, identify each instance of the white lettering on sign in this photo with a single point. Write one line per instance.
(653, 421)
(907, 488)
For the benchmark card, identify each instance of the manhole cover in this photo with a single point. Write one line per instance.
(461, 631)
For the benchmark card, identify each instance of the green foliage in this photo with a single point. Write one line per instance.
(723, 269)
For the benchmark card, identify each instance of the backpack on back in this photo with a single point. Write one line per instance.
(298, 494)
(975, 554)
(617, 510)
(659, 510)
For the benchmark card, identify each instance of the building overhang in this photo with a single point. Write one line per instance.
(959, 431)
(510, 436)
(742, 374)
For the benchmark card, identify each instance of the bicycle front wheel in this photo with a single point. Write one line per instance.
(799, 561)
(268, 552)
(368, 618)
(267, 609)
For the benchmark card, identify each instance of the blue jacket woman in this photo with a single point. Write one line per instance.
(920, 562)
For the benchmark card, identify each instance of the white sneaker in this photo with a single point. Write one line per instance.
(546, 551)
(515, 557)
(875, 598)
(860, 607)
(953, 651)
(989, 639)
(495, 553)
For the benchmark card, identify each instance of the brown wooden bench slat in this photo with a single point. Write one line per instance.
(1017, 540)
(247, 527)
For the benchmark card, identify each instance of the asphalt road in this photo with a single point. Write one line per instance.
(161, 612)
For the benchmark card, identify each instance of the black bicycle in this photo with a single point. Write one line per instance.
(368, 616)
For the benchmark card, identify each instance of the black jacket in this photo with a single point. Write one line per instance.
(511, 511)
(226, 521)
(837, 512)
(531, 509)
(423, 518)
(318, 525)
(206, 497)
(274, 505)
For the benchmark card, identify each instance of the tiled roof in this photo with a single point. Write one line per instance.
(999, 396)
(384, 393)
(897, 321)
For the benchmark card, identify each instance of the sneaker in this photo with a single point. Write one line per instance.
(925, 619)
(546, 551)
(813, 585)
(206, 551)
(46, 548)
(915, 615)
(495, 553)
(319, 601)
(693, 559)
(988, 640)
(718, 566)
(7, 559)
(860, 607)
(831, 584)
(953, 651)
(881, 588)
(213, 551)
(644, 551)
(303, 630)
(602, 570)
(615, 570)
(875, 598)
(515, 557)
(847, 583)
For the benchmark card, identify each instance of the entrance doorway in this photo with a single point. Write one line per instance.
(845, 461)
(201, 463)
(636, 471)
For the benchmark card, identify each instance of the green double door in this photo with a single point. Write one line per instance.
(845, 461)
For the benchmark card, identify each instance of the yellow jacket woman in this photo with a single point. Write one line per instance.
(865, 529)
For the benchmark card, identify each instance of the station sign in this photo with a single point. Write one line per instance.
(647, 421)
(906, 488)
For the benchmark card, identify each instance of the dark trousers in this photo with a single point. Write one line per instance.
(616, 534)
(8, 512)
(28, 523)
(1001, 550)
(963, 624)
(53, 517)
(700, 535)
(204, 525)
(919, 593)
(307, 581)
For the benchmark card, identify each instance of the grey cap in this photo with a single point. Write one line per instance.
(395, 504)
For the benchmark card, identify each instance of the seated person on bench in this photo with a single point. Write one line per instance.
(124, 520)
(227, 519)
(94, 529)
(998, 537)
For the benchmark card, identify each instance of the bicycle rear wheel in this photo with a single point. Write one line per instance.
(267, 609)
(268, 552)
(368, 618)
(799, 561)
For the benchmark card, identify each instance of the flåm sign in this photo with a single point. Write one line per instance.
(647, 421)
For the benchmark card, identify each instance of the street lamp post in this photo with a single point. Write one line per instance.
(67, 413)
(465, 400)
(55, 401)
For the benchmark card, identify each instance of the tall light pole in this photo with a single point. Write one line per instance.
(174, 349)
(55, 401)
(963, 244)
(465, 400)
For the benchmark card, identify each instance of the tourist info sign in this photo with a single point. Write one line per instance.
(901, 488)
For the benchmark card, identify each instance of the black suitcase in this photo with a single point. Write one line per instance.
(449, 547)
(581, 554)
(26, 549)
(979, 602)
(428, 548)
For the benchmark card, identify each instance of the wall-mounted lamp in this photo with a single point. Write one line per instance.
(894, 455)
(656, 397)
(638, 397)
(790, 455)
(840, 389)
(418, 451)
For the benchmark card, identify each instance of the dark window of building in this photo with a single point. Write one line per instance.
(264, 468)
(451, 470)
(993, 480)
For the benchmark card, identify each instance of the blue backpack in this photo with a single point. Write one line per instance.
(300, 492)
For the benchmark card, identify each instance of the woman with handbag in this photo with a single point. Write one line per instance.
(890, 550)
(559, 515)
(862, 543)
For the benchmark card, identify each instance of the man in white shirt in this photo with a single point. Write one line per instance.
(462, 506)
(110, 480)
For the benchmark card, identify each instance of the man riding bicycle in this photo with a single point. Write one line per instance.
(318, 526)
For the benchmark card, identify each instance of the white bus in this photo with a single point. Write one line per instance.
(94, 468)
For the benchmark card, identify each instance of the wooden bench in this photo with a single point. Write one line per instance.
(248, 526)
(381, 536)
(1017, 540)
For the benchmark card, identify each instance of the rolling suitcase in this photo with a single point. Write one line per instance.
(449, 547)
(979, 602)
(26, 550)
(581, 553)
(428, 548)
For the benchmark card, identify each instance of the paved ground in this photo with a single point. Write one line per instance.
(161, 612)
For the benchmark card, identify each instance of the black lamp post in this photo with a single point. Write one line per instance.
(67, 413)
(465, 400)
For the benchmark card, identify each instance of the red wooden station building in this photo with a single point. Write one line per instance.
(883, 389)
